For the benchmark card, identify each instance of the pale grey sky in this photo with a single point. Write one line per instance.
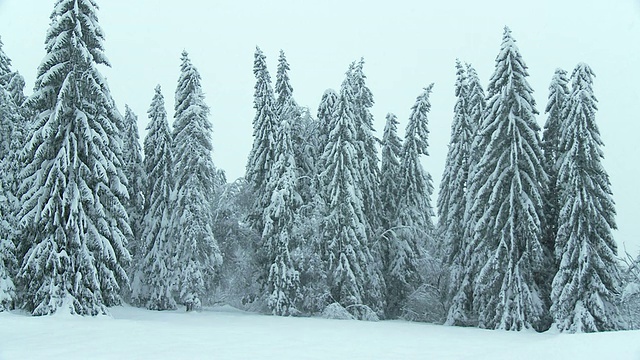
(407, 44)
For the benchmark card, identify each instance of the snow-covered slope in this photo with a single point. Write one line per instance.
(225, 333)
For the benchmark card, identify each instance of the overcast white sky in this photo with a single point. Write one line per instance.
(407, 44)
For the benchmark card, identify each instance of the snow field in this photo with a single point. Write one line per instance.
(226, 333)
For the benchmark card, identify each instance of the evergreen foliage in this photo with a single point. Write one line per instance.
(413, 219)
(352, 276)
(587, 280)
(76, 224)
(265, 123)
(197, 254)
(453, 192)
(390, 190)
(461, 308)
(283, 281)
(558, 97)
(155, 280)
(136, 177)
(508, 186)
(367, 147)
(327, 111)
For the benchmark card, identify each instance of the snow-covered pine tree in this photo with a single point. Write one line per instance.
(155, 279)
(11, 123)
(10, 80)
(197, 253)
(510, 181)
(303, 149)
(283, 280)
(265, 123)
(11, 143)
(353, 278)
(284, 90)
(367, 148)
(390, 193)
(76, 226)
(558, 96)
(8, 261)
(369, 171)
(134, 171)
(327, 111)
(390, 172)
(414, 228)
(452, 196)
(588, 276)
(476, 108)
(461, 307)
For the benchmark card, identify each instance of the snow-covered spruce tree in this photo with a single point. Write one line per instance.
(10, 80)
(390, 193)
(283, 282)
(265, 123)
(327, 111)
(453, 190)
(369, 170)
(8, 261)
(451, 198)
(354, 280)
(461, 307)
(390, 172)
(413, 225)
(12, 130)
(283, 90)
(155, 279)
(136, 177)
(367, 148)
(197, 254)
(510, 181)
(303, 149)
(76, 226)
(588, 277)
(558, 96)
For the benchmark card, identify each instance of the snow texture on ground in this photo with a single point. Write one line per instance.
(226, 333)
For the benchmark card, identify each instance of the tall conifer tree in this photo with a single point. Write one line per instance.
(452, 196)
(353, 278)
(558, 96)
(265, 123)
(509, 184)
(283, 280)
(390, 171)
(155, 281)
(367, 147)
(76, 224)
(197, 252)
(413, 219)
(327, 111)
(461, 308)
(136, 177)
(587, 280)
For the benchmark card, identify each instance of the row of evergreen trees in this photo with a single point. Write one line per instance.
(528, 222)
(320, 224)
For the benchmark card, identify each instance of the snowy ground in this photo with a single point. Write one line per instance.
(225, 333)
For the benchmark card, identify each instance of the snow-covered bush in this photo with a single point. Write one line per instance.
(429, 302)
(336, 311)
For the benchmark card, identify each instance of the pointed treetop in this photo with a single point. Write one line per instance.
(5, 62)
(511, 72)
(461, 80)
(558, 87)
(417, 128)
(582, 76)
(283, 86)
